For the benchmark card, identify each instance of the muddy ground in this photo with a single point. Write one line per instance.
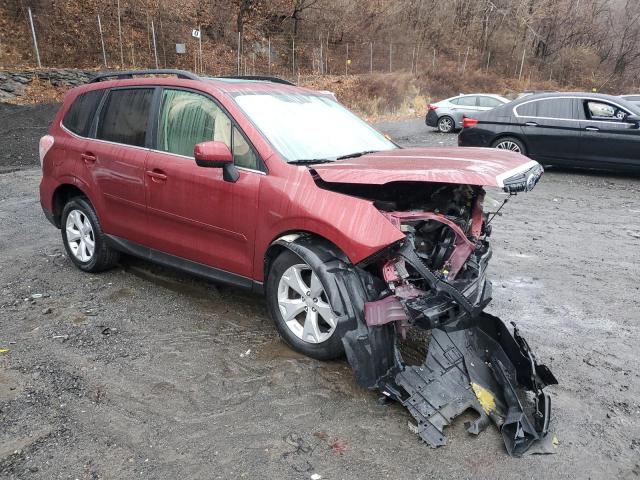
(143, 372)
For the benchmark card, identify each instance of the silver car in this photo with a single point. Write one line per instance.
(446, 115)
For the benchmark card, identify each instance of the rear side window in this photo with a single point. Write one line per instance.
(488, 102)
(78, 117)
(561, 108)
(467, 101)
(125, 115)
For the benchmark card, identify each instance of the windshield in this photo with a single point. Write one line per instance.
(306, 127)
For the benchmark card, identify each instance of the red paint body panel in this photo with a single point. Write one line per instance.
(470, 166)
(168, 203)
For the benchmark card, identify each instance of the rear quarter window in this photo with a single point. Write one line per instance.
(79, 116)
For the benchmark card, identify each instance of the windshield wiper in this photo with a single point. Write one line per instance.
(356, 154)
(309, 161)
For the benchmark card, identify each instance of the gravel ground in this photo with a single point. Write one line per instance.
(149, 373)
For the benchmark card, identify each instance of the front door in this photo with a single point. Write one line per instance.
(193, 213)
(607, 139)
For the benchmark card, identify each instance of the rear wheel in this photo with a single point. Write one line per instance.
(510, 143)
(300, 308)
(446, 124)
(83, 238)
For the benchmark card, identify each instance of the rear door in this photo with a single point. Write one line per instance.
(551, 128)
(115, 159)
(193, 212)
(607, 139)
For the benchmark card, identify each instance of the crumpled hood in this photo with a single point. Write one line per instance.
(464, 165)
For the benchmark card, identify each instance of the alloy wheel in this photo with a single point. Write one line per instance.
(304, 306)
(509, 145)
(445, 125)
(80, 236)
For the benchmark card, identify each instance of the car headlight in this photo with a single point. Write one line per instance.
(523, 181)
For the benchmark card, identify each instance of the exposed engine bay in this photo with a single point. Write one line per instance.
(434, 280)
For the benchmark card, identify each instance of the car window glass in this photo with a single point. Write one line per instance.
(561, 108)
(188, 118)
(604, 111)
(632, 98)
(488, 102)
(455, 101)
(125, 115)
(78, 117)
(243, 155)
(469, 101)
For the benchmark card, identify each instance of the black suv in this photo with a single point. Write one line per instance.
(566, 129)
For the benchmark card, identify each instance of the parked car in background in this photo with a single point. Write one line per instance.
(635, 99)
(447, 115)
(568, 129)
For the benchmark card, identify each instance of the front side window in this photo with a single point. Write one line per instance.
(188, 118)
(303, 126)
(125, 115)
(604, 111)
(78, 117)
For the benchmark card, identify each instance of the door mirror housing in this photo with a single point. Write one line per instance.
(212, 154)
(216, 155)
(635, 119)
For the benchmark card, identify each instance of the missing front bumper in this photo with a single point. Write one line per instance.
(481, 367)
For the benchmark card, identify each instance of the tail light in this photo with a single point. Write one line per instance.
(432, 107)
(469, 122)
(46, 143)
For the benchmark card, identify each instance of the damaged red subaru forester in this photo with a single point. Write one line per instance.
(354, 241)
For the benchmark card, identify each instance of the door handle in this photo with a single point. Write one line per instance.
(157, 176)
(592, 129)
(531, 124)
(88, 157)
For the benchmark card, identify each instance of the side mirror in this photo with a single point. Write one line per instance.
(635, 119)
(216, 155)
(212, 154)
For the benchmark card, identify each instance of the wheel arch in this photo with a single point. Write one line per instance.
(61, 195)
(291, 241)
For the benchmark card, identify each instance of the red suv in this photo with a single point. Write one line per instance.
(268, 186)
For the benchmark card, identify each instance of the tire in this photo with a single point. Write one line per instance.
(322, 342)
(80, 225)
(446, 124)
(510, 143)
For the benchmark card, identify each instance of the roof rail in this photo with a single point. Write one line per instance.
(260, 78)
(131, 73)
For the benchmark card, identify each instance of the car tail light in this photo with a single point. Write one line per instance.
(432, 107)
(469, 122)
(46, 143)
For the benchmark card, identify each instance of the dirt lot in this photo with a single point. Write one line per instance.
(148, 373)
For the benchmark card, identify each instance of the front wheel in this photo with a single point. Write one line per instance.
(510, 143)
(299, 306)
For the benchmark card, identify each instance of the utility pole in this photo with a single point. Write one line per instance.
(155, 50)
(200, 47)
(35, 42)
(239, 42)
(120, 38)
(521, 64)
(104, 54)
